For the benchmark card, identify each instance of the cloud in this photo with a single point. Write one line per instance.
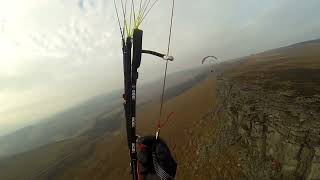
(83, 4)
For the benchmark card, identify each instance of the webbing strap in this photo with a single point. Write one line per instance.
(163, 175)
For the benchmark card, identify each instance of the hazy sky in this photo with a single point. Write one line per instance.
(56, 53)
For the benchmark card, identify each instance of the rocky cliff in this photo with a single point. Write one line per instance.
(267, 118)
(278, 130)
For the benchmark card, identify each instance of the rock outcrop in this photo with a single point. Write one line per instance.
(274, 120)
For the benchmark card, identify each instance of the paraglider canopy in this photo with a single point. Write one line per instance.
(207, 58)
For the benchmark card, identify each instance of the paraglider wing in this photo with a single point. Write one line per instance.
(207, 57)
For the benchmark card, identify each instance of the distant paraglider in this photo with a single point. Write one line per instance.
(209, 58)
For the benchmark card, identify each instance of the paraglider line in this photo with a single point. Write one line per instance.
(166, 68)
(149, 10)
(124, 9)
(134, 12)
(115, 6)
(139, 7)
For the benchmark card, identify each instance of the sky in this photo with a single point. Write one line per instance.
(55, 54)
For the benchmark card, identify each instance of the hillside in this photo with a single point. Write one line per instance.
(257, 120)
(86, 124)
(266, 118)
(70, 123)
(256, 117)
(81, 118)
